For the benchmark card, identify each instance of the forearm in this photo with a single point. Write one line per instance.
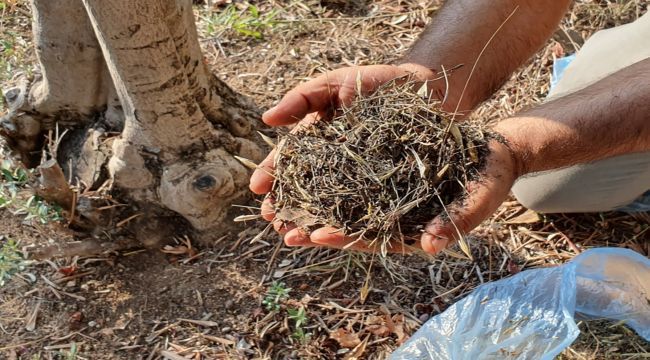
(608, 118)
(462, 28)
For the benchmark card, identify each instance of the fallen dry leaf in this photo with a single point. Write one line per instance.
(528, 217)
(398, 322)
(358, 351)
(345, 338)
(376, 325)
(76, 319)
(68, 270)
(558, 50)
(379, 330)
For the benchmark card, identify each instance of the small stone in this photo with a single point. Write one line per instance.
(229, 304)
(92, 323)
(226, 329)
(423, 317)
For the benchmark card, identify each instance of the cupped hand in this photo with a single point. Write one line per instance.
(484, 196)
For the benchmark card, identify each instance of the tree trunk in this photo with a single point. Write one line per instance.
(71, 83)
(136, 67)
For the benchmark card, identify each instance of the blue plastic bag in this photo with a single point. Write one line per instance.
(559, 66)
(531, 315)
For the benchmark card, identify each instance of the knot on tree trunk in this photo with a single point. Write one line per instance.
(21, 128)
(202, 192)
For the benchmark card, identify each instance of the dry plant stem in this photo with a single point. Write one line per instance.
(379, 169)
(53, 185)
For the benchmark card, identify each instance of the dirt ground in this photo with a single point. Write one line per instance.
(218, 299)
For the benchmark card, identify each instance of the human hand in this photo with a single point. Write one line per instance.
(484, 196)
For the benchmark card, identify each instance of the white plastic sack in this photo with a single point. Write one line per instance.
(531, 315)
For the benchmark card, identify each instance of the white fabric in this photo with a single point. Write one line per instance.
(602, 185)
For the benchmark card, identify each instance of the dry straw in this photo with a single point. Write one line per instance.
(380, 168)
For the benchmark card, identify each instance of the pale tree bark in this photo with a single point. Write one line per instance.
(137, 67)
(71, 83)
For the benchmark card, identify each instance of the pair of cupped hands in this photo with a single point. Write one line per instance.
(312, 100)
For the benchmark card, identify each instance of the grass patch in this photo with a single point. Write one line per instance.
(276, 294)
(249, 22)
(17, 197)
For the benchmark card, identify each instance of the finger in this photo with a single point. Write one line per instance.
(313, 96)
(464, 215)
(335, 238)
(327, 91)
(283, 227)
(261, 181)
(433, 244)
(331, 237)
(298, 237)
(267, 209)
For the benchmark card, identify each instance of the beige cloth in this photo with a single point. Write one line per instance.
(602, 185)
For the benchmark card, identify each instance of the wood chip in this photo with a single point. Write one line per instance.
(31, 320)
(171, 355)
(205, 323)
(345, 338)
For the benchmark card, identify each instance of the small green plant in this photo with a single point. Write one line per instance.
(250, 22)
(37, 208)
(12, 180)
(71, 354)
(299, 317)
(275, 295)
(15, 177)
(11, 261)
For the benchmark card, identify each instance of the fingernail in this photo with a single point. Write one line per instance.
(270, 110)
(296, 238)
(433, 244)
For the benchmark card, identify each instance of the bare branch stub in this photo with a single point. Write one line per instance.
(53, 185)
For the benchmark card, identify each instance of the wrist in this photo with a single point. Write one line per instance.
(511, 137)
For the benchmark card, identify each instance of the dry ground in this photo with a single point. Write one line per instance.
(209, 303)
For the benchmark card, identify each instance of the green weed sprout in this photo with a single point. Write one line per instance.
(275, 295)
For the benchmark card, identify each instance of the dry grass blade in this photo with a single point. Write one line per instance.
(267, 139)
(248, 163)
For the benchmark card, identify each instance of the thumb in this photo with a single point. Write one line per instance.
(459, 218)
